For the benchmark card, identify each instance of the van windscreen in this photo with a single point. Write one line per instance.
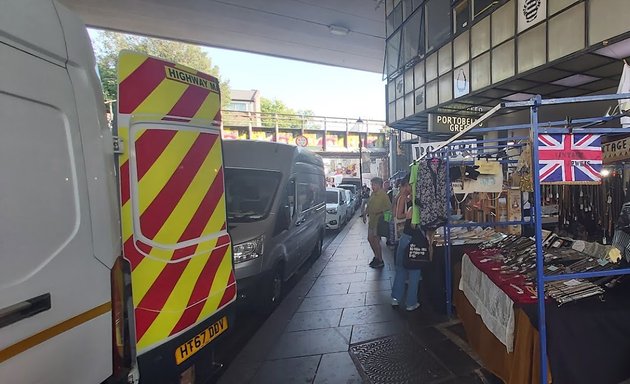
(250, 193)
(332, 197)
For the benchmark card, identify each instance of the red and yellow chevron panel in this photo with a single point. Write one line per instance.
(172, 196)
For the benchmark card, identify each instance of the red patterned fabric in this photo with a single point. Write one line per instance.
(512, 284)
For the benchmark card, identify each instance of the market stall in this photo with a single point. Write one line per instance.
(523, 336)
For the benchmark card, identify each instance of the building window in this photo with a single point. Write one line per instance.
(413, 37)
(238, 106)
(438, 16)
(461, 16)
(481, 6)
(394, 19)
(392, 53)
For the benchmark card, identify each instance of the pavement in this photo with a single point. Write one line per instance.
(337, 326)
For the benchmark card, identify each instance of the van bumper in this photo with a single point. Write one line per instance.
(160, 366)
(250, 290)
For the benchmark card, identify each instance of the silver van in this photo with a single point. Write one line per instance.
(276, 213)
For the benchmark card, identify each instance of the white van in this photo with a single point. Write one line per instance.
(336, 208)
(276, 214)
(115, 263)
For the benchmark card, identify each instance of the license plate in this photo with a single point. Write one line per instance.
(194, 345)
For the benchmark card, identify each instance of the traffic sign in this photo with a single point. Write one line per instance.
(301, 141)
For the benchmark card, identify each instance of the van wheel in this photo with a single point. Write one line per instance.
(317, 251)
(276, 285)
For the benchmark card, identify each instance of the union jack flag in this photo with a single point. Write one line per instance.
(570, 159)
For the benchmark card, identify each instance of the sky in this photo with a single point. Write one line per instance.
(325, 90)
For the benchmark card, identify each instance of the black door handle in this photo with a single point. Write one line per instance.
(24, 309)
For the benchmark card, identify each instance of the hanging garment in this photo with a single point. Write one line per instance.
(413, 181)
(624, 87)
(431, 193)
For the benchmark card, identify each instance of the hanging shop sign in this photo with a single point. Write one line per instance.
(484, 183)
(489, 179)
(439, 123)
(530, 13)
(488, 167)
(461, 148)
(617, 150)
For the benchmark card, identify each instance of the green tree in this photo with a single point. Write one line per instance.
(108, 44)
(275, 111)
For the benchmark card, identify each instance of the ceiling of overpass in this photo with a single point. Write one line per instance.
(348, 33)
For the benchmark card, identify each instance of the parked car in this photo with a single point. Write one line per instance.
(336, 208)
(356, 196)
(276, 214)
(350, 204)
(357, 183)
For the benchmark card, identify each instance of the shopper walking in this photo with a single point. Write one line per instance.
(365, 195)
(412, 276)
(376, 207)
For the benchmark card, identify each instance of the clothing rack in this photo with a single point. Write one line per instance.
(577, 126)
(444, 153)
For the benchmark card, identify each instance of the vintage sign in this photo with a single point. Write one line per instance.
(448, 123)
(530, 13)
(616, 150)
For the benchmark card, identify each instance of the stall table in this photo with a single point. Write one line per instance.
(588, 340)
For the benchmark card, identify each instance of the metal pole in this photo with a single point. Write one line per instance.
(360, 161)
(447, 241)
(540, 270)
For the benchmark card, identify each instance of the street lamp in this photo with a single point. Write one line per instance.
(359, 124)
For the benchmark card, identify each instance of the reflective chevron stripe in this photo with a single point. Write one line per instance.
(172, 197)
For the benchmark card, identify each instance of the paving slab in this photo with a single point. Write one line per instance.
(342, 278)
(303, 321)
(312, 342)
(295, 370)
(337, 368)
(368, 314)
(332, 301)
(366, 332)
(370, 286)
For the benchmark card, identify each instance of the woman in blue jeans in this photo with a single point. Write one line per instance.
(412, 276)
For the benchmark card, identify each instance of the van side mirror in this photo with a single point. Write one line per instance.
(284, 218)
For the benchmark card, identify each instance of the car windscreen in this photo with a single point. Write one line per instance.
(350, 188)
(250, 193)
(332, 197)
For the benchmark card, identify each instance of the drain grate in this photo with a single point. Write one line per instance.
(397, 359)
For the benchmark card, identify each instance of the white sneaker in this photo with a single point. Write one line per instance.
(413, 307)
(394, 302)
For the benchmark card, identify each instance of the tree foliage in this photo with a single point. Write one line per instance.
(276, 112)
(108, 44)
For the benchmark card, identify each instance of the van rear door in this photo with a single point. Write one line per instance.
(173, 209)
(55, 309)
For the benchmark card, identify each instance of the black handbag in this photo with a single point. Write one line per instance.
(417, 252)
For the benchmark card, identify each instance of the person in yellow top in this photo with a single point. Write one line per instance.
(376, 207)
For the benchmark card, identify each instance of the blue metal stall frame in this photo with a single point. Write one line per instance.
(445, 153)
(575, 126)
